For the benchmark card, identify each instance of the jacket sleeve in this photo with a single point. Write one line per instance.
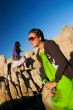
(59, 58)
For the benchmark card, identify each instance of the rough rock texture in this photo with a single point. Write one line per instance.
(65, 41)
(17, 85)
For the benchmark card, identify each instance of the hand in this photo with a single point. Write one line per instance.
(50, 85)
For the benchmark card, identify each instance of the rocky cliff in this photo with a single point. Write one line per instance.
(65, 41)
(20, 88)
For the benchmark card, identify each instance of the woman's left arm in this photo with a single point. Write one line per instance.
(60, 60)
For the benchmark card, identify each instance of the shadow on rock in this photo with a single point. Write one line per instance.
(24, 103)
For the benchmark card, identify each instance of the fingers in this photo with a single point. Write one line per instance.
(48, 86)
(53, 91)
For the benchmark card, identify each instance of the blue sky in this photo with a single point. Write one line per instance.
(17, 17)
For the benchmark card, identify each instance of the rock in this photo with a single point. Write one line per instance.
(36, 77)
(3, 66)
(9, 61)
(65, 41)
(3, 79)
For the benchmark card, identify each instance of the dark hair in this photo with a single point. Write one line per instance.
(17, 43)
(38, 32)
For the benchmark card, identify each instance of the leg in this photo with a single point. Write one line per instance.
(46, 98)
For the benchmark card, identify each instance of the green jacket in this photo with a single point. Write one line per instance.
(55, 56)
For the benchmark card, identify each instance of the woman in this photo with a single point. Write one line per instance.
(16, 51)
(57, 70)
(18, 61)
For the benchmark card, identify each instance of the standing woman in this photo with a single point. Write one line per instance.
(16, 51)
(59, 74)
(18, 61)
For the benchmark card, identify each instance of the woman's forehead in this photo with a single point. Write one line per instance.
(32, 34)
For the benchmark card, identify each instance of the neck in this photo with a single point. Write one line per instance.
(41, 45)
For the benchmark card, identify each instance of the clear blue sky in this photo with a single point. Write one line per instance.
(17, 17)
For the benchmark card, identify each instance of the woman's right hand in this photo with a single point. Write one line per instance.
(50, 85)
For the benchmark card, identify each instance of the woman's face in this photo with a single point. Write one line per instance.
(34, 39)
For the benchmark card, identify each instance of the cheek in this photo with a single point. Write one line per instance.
(34, 43)
(37, 41)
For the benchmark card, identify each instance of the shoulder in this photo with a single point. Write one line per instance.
(50, 42)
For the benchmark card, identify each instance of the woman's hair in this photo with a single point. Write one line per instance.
(38, 32)
(17, 44)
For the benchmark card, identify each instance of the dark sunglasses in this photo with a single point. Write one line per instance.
(32, 38)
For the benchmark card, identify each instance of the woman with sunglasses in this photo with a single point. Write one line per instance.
(59, 74)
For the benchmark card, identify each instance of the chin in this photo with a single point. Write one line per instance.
(34, 45)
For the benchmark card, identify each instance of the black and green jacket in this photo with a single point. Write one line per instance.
(53, 50)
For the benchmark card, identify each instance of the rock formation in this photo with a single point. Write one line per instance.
(65, 41)
(16, 84)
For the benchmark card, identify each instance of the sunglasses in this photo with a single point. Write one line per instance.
(32, 38)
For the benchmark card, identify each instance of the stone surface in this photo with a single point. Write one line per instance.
(65, 41)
